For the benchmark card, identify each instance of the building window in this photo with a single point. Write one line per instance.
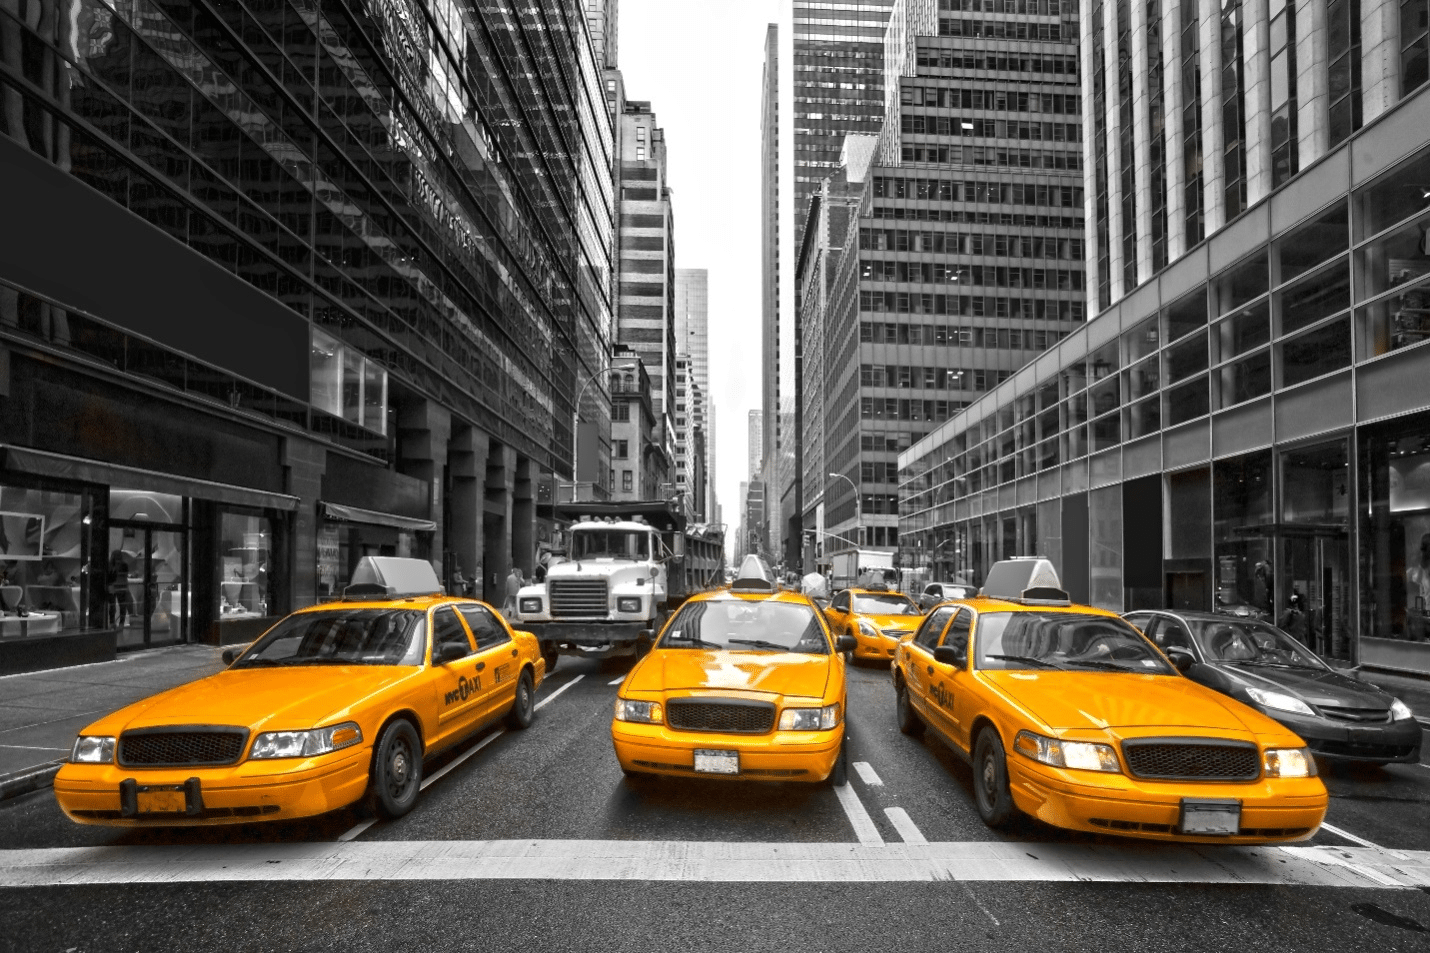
(346, 384)
(1233, 108)
(626, 481)
(640, 153)
(1395, 570)
(1343, 53)
(1284, 157)
(1415, 44)
(621, 450)
(1192, 123)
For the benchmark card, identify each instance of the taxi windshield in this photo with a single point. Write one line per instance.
(1066, 641)
(341, 637)
(738, 625)
(1247, 642)
(884, 603)
(616, 544)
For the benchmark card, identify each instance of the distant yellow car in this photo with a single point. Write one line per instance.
(744, 682)
(876, 618)
(1069, 714)
(335, 703)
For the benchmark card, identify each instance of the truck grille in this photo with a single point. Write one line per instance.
(733, 715)
(1202, 759)
(181, 745)
(578, 597)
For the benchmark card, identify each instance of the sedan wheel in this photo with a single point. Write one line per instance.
(909, 721)
(396, 770)
(524, 709)
(990, 781)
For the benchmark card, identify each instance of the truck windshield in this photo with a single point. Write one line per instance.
(621, 544)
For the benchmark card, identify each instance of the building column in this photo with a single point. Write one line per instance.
(1116, 227)
(1256, 49)
(304, 464)
(496, 519)
(1142, 142)
(423, 429)
(1313, 96)
(1213, 132)
(1379, 59)
(523, 516)
(1089, 166)
(1173, 129)
(466, 473)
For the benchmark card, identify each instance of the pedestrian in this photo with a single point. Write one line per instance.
(120, 601)
(1293, 620)
(514, 582)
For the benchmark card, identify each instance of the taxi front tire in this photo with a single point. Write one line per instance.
(396, 770)
(991, 795)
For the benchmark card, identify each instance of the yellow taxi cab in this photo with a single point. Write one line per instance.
(336, 703)
(875, 617)
(745, 682)
(1069, 714)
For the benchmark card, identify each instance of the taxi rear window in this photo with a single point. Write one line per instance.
(342, 637)
(1065, 641)
(740, 625)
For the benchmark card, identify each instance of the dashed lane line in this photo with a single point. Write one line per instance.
(616, 681)
(859, 818)
(1347, 835)
(905, 825)
(867, 774)
(693, 861)
(552, 697)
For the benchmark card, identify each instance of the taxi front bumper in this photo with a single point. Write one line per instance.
(233, 794)
(883, 648)
(1272, 809)
(779, 756)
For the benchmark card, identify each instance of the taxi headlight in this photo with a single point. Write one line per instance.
(868, 630)
(628, 604)
(809, 719)
(93, 749)
(1082, 755)
(1278, 701)
(529, 604)
(645, 712)
(305, 744)
(1399, 711)
(1289, 763)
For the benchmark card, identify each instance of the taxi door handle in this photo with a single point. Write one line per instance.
(482, 665)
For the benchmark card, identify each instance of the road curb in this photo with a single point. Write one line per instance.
(30, 779)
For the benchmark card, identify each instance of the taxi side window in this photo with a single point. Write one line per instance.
(932, 628)
(489, 632)
(957, 635)
(448, 629)
(1171, 634)
(841, 602)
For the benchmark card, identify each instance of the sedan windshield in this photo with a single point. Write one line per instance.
(740, 625)
(884, 604)
(1062, 640)
(1248, 642)
(342, 637)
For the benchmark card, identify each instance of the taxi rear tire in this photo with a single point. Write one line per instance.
(523, 710)
(990, 781)
(396, 770)
(909, 721)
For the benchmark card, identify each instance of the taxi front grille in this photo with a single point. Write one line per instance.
(181, 746)
(1200, 759)
(578, 597)
(734, 715)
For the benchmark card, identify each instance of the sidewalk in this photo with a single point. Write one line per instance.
(40, 712)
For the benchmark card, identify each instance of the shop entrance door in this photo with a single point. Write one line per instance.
(1315, 564)
(147, 583)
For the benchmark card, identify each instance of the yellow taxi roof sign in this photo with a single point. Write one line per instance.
(1026, 579)
(392, 577)
(755, 575)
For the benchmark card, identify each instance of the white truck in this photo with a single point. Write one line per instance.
(858, 567)
(627, 567)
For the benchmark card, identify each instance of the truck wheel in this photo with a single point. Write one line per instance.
(549, 653)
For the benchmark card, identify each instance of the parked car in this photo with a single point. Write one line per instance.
(936, 592)
(1256, 663)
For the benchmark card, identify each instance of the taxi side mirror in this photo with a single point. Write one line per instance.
(948, 655)
(448, 652)
(845, 643)
(1181, 659)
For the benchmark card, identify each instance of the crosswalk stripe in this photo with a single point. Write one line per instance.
(905, 825)
(859, 818)
(978, 861)
(1347, 835)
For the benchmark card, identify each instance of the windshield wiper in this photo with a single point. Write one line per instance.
(690, 643)
(258, 663)
(762, 644)
(1026, 658)
(1104, 664)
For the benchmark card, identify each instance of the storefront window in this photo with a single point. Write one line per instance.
(1315, 547)
(246, 560)
(1105, 549)
(1188, 539)
(1395, 547)
(42, 562)
(341, 545)
(1241, 514)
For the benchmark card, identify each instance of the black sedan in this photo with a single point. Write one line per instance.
(1258, 664)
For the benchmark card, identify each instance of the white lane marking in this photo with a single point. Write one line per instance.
(986, 912)
(433, 778)
(55, 721)
(866, 773)
(616, 681)
(863, 824)
(980, 861)
(905, 825)
(348, 835)
(34, 748)
(552, 697)
(1358, 841)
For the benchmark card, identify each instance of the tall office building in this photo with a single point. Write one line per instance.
(692, 338)
(1250, 424)
(769, 255)
(604, 19)
(282, 285)
(755, 437)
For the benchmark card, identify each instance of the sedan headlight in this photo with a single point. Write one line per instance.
(1083, 755)
(809, 719)
(93, 749)
(868, 629)
(305, 744)
(1289, 763)
(529, 604)
(1399, 711)
(628, 604)
(648, 713)
(1279, 701)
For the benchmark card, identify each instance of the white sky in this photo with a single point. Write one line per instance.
(699, 63)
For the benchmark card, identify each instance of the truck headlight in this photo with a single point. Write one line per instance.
(1289, 763)
(93, 749)
(530, 604)
(1082, 755)
(809, 719)
(305, 744)
(648, 713)
(628, 604)
(1278, 701)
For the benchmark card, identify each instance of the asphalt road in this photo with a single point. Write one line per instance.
(559, 782)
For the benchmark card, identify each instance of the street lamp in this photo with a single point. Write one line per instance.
(858, 512)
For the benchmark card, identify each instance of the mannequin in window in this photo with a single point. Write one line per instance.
(1417, 591)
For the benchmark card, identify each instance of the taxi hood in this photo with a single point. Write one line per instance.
(262, 699)
(1096, 700)
(775, 673)
(906, 622)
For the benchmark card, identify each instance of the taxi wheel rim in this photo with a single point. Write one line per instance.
(523, 695)
(399, 770)
(990, 778)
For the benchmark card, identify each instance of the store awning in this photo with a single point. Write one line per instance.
(355, 514)
(63, 467)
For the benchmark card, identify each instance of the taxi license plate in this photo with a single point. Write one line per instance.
(717, 762)
(161, 802)
(1210, 816)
